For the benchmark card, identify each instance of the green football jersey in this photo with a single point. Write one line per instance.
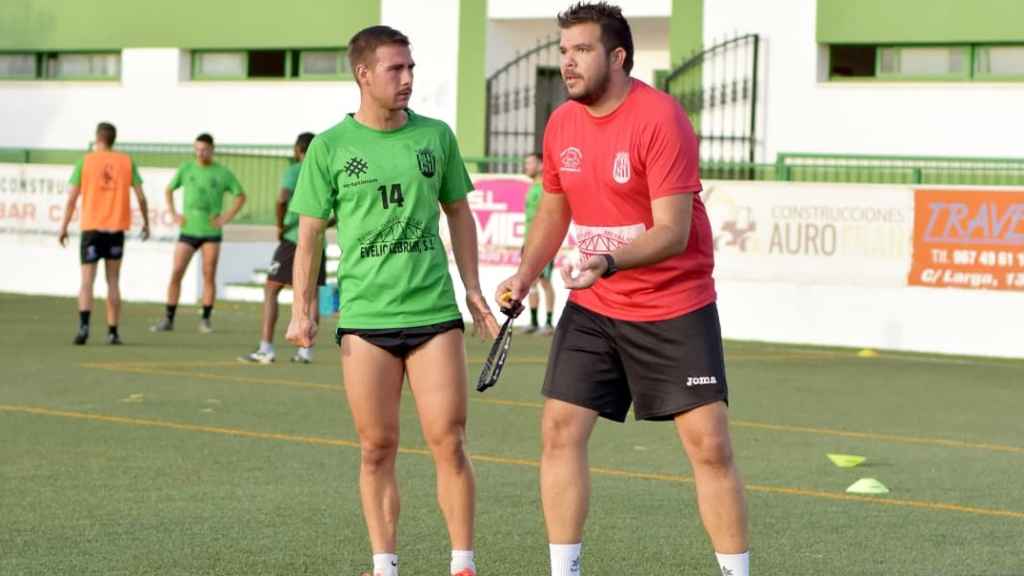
(386, 189)
(291, 220)
(533, 195)
(204, 195)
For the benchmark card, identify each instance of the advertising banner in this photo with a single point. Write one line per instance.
(499, 203)
(32, 199)
(972, 239)
(810, 233)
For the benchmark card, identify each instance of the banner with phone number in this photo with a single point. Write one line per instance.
(971, 239)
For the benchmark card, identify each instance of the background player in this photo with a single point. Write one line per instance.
(533, 166)
(104, 179)
(202, 223)
(281, 266)
(387, 172)
(641, 326)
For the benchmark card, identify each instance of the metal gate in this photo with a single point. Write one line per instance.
(520, 97)
(718, 87)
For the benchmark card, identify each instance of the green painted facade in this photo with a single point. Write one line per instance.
(686, 30)
(919, 21)
(471, 97)
(58, 25)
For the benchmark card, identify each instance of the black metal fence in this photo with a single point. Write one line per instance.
(520, 97)
(718, 87)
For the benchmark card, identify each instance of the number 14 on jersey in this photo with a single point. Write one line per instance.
(394, 197)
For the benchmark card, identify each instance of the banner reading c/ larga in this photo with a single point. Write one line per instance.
(972, 239)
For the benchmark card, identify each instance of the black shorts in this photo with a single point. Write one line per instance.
(281, 265)
(197, 242)
(664, 368)
(401, 342)
(97, 245)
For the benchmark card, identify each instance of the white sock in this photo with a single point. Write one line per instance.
(565, 559)
(734, 564)
(385, 565)
(266, 347)
(461, 560)
(306, 353)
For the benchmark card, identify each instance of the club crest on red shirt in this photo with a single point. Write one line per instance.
(620, 168)
(572, 159)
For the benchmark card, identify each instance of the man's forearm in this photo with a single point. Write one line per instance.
(547, 233)
(169, 198)
(306, 266)
(281, 209)
(462, 226)
(655, 245)
(69, 207)
(235, 208)
(143, 206)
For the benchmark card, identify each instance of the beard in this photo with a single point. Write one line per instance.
(593, 88)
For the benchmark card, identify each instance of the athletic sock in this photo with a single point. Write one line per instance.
(462, 560)
(306, 353)
(734, 564)
(83, 318)
(565, 559)
(112, 330)
(172, 309)
(207, 310)
(549, 318)
(266, 347)
(385, 565)
(533, 316)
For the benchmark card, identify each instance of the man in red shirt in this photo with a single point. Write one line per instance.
(641, 326)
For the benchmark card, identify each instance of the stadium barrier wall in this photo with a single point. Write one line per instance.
(869, 266)
(878, 266)
(32, 198)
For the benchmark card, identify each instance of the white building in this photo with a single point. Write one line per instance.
(897, 77)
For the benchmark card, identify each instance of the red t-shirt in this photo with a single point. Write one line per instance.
(611, 168)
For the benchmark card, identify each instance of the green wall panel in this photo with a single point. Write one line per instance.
(919, 21)
(686, 29)
(40, 25)
(471, 97)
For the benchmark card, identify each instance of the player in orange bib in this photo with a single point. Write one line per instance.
(104, 179)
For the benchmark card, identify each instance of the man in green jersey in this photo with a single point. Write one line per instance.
(533, 168)
(205, 183)
(387, 172)
(280, 274)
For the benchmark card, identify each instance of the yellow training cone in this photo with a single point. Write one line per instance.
(845, 460)
(867, 486)
(867, 353)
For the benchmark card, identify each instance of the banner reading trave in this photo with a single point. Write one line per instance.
(968, 239)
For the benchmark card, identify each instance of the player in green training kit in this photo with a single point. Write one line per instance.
(205, 183)
(387, 172)
(533, 166)
(280, 274)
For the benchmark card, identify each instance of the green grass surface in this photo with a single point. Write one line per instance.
(165, 456)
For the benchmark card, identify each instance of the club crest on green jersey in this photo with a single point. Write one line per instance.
(428, 164)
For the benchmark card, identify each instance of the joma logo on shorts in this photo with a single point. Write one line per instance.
(701, 380)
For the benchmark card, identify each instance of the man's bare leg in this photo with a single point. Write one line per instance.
(704, 432)
(565, 479)
(373, 385)
(112, 268)
(437, 376)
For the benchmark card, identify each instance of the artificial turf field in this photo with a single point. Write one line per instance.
(167, 456)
